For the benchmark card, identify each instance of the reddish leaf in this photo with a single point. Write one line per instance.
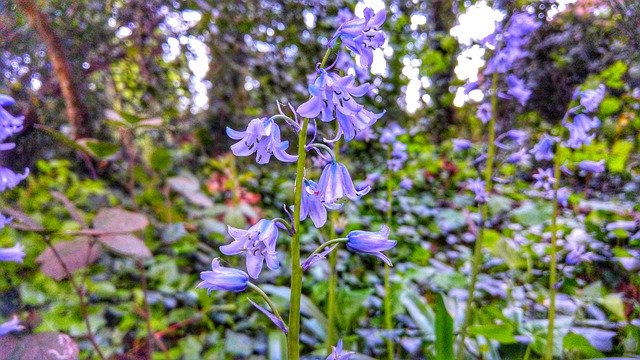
(119, 220)
(43, 346)
(126, 244)
(75, 255)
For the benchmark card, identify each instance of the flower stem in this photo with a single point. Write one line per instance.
(484, 213)
(332, 336)
(553, 261)
(293, 338)
(267, 299)
(325, 148)
(328, 243)
(388, 320)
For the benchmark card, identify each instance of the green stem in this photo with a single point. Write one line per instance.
(293, 338)
(267, 299)
(328, 243)
(325, 148)
(388, 320)
(332, 335)
(477, 251)
(554, 249)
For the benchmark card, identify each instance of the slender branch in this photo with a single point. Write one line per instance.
(332, 334)
(147, 308)
(80, 292)
(328, 243)
(484, 212)
(75, 110)
(293, 338)
(388, 320)
(266, 298)
(553, 263)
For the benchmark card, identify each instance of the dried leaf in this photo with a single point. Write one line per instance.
(42, 346)
(119, 220)
(24, 219)
(126, 244)
(71, 208)
(75, 254)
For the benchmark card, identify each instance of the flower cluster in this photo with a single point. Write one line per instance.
(333, 97)
(9, 126)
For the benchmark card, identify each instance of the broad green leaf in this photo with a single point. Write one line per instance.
(578, 343)
(444, 331)
(617, 160)
(502, 333)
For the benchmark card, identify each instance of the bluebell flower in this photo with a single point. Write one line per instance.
(335, 184)
(313, 259)
(223, 278)
(4, 221)
(520, 157)
(518, 89)
(543, 150)
(338, 353)
(520, 26)
(13, 324)
(563, 196)
(313, 206)
(332, 97)
(579, 130)
(591, 99)
(478, 187)
(484, 112)
(363, 35)
(274, 319)
(9, 179)
(9, 124)
(398, 156)
(14, 254)
(406, 184)
(503, 60)
(258, 243)
(461, 144)
(544, 179)
(372, 243)
(263, 138)
(594, 167)
(518, 137)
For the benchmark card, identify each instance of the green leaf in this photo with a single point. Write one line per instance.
(444, 331)
(613, 303)
(501, 333)
(101, 149)
(610, 106)
(578, 343)
(617, 160)
(532, 213)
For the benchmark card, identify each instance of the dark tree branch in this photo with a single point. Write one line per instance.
(75, 110)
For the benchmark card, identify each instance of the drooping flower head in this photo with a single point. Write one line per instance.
(336, 184)
(258, 243)
(338, 353)
(461, 144)
(543, 150)
(484, 113)
(263, 138)
(591, 99)
(579, 130)
(223, 278)
(594, 167)
(372, 243)
(477, 186)
(10, 326)
(10, 179)
(363, 35)
(517, 89)
(332, 97)
(9, 125)
(14, 254)
(312, 204)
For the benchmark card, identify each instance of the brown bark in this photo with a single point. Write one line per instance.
(75, 110)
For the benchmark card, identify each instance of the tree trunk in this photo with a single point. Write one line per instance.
(75, 110)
